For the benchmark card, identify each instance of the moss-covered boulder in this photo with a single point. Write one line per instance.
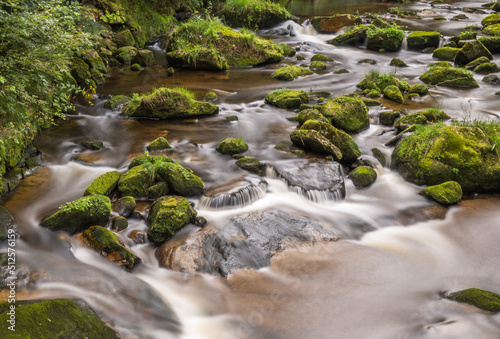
(210, 96)
(398, 63)
(347, 113)
(491, 19)
(118, 223)
(169, 103)
(493, 30)
(476, 62)
(6, 220)
(146, 159)
(447, 193)
(289, 73)
(126, 54)
(387, 39)
(354, 35)
(180, 179)
(287, 98)
(329, 24)
(310, 114)
(443, 64)
(80, 71)
(363, 176)
(496, 6)
(379, 81)
(445, 53)
(94, 60)
(136, 181)
(158, 190)
(388, 117)
(394, 94)
(317, 65)
(420, 89)
(116, 102)
(104, 184)
(471, 51)
(125, 206)
(208, 44)
(252, 165)
(430, 115)
(144, 57)
(93, 145)
(58, 318)
(136, 68)
(420, 40)
(487, 68)
(321, 57)
(167, 216)
(158, 144)
(434, 154)
(124, 38)
(254, 14)
(323, 138)
(484, 300)
(78, 215)
(104, 241)
(449, 77)
(491, 43)
(232, 146)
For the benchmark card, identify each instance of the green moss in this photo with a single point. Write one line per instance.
(352, 36)
(180, 180)
(287, 98)
(388, 39)
(158, 190)
(394, 94)
(471, 51)
(136, 68)
(116, 102)
(104, 184)
(316, 142)
(447, 193)
(346, 113)
(379, 155)
(80, 71)
(136, 181)
(420, 89)
(310, 114)
(321, 57)
(253, 13)
(445, 53)
(363, 176)
(124, 38)
(375, 80)
(491, 43)
(476, 62)
(126, 54)
(210, 96)
(443, 64)
(144, 57)
(158, 144)
(408, 120)
(388, 117)
(232, 146)
(78, 215)
(252, 165)
(450, 77)
(290, 73)
(398, 63)
(59, 318)
(318, 65)
(420, 39)
(125, 206)
(487, 68)
(167, 216)
(491, 19)
(287, 50)
(146, 159)
(372, 93)
(119, 223)
(169, 103)
(484, 300)
(493, 30)
(328, 24)
(94, 60)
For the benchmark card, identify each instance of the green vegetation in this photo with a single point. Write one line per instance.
(104, 184)
(420, 39)
(484, 300)
(289, 73)
(386, 39)
(450, 77)
(347, 113)
(253, 14)
(447, 193)
(363, 176)
(375, 80)
(158, 144)
(445, 53)
(232, 146)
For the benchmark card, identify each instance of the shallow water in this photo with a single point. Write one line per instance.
(383, 280)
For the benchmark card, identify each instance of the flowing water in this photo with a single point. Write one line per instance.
(384, 279)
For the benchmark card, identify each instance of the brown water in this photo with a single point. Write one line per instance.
(382, 284)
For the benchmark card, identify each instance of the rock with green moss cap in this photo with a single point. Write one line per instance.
(287, 98)
(398, 63)
(206, 59)
(136, 68)
(321, 57)
(158, 144)
(487, 68)
(380, 156)
(420, 89)
(232, 146)
(471, 51)
(104, 184)
(420, 40)
(329, 24)
(287, 50)
(310, 114)
(158, 190)
(341, 71)
(496, 6)
(476, 62)
(126, 54)
(167, 216)
(78, 215)
(316, 142)
(445, 53)
(289, 73)
(394, 94)
(58, 318)
(407, 121)
(447, 193)
(144, 57)
(353, 36)
(376, 80)
(125, 206)
(363, 176)
(372, 93)
(148, 160)
(93, 145)
(318, 65)
(252, 165)
(434, 154)
(347, 113)
(169, 103)
(443, 64)
(491, 19)
(210, 96)
(136, 181)
(116, 102)
(118, 223)
(387, 39)
(124, 38)
(180, 179)
(80, 71)
(388, 117)
(94, 60)
(449, 77)
(484, 300)
(254, 14)
(6, 221)
(105, 242)
(491, 43)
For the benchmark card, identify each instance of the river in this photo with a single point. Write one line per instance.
(383, 279)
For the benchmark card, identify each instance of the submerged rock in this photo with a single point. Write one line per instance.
(78, 215)
(287, 98)
(484, 300)
(104, 184)
(447, 193)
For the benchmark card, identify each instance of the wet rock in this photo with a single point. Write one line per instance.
(398, 63)
(158, 144)
(356, 35)
(123, 38)
(368, 61)
(136, 68)
(254, 14)
(80, 71)
(158, 190)
(380, 156)
(125, 54)
(287, 98)
(420, 40)
(363, 176)
(94, 60)
(341, 71)
(289, 73)
(388, 39)
(104, 184)
(321, 57)
(316, 65)
(105, 242)
(138, 237)
(492, 79)
(445, 53)
(491, 43)
(232, 146)
(420, 89)
(210, 96)
(484, 300)
(491, 19)
(248, 241)
(447, 193)
(136, 181)
(116, 102)
(125, 206)
(421, 118)
(200, 222)
(496, 6)
(58, 318)
(78, 215)
(388, 117)
(348, 114)
(310, 114)
(180, 179)
(232, 118)
(393, 93)
(487, 68)
(471, 51)
(168, 215)
(169, 103)
(328, 24)
(449, 77)
(6, 221)
(144, 57)
(119, 223)
(252, 165)
(93, 145)
(149, 159)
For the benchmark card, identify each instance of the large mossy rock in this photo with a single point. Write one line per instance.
(144, 57)
(484, 300)
(449, 77)
(232, 146)
(104, 184)
(374, 80)
(94, 60)
(430, 115)
(124, 38)
(136, 181)
(363, 176)
(393, 93)
(491, 19)
(447, 193)
(158, 144)
(80, 71)
(445, 53)
(168, 215)
(289, 73)
(126, 54)
(208, 44)
(179, 179)
(420, 39)
(353, 36)
(493, 30)
(116, 102)
(6, 220)
(323, 138)
(169, 103)
(287, 98)
(59, 318)
(104, 241)
(386, 39)
(435, 154)
(491, 43)
(78, 215)
(346, 113)
(254, 14)
(470, 52)
(329, 24)
(309, 114)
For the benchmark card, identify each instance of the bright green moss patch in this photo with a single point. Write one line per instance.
(252, 165)
(363, 176)
(289, 73)
(450, 77)
(386, 39)
(180, 180)
(398, 63)
(321, 57)
(158, 144)
(253, 14)
(445, 53)
(375, 80)
(471, 51)
(347, 113)
(232, 146)
(491, 19)
(420, 89)
(421, 39)
(104, 184)
(484, 300)
(447, 193)
(318, 65)
(393, 93)
(287, 98)
(353, 35)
